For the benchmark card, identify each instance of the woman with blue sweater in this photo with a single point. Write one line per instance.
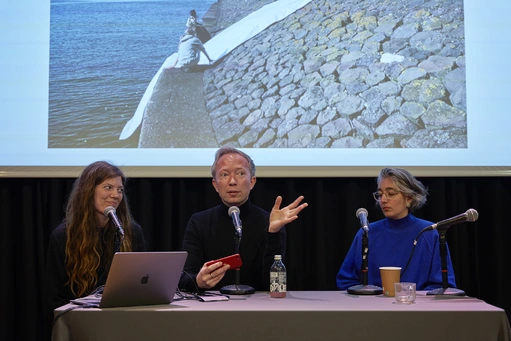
(391, 240)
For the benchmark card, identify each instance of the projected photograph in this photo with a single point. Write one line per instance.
(284, 74)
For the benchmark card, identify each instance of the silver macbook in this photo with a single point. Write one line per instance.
(140, 278)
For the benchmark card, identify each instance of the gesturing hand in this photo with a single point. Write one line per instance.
(280, 217)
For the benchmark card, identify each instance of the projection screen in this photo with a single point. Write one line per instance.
(306, 87)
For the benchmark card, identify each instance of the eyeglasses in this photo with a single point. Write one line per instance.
(389, 194)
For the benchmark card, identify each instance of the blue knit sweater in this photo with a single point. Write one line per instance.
(390, 244)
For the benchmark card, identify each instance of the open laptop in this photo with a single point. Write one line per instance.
(139, 278)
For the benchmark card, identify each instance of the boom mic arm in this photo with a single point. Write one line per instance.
(470, 215)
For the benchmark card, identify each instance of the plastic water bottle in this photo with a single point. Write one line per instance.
(278, 278)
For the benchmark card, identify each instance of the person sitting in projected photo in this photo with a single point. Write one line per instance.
(202, 33)
(192, 19)
(82, 247)
(210, 234)
(391, 239)
(189, 50)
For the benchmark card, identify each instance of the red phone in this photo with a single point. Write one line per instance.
(234, 261)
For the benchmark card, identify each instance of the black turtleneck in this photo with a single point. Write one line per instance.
(210, 235)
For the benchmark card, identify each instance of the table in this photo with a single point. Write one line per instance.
(302, 315)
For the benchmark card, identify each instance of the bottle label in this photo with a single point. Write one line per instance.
(277, 282)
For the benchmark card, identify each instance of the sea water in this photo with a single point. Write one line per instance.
(103, 55)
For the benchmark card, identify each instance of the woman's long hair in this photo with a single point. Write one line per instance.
(84, 247)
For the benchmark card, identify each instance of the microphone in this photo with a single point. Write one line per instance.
(236, 288)
(362, 215)
(234, 213)
(363, 288)
(470, 215)
(110, 213)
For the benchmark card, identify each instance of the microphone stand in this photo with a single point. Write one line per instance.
(445, 290)
(237, 288)
(364, 288)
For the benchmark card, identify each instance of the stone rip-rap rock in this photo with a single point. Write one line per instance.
(345, 74)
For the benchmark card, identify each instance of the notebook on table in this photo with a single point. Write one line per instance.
(139, 278)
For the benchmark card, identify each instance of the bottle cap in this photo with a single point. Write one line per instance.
(278, 257)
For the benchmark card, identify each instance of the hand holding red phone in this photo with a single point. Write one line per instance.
(234, 261)
(213, 271)
(209, 276)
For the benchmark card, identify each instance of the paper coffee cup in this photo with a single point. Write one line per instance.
(389, 276)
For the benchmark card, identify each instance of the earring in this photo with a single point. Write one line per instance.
(408, 205)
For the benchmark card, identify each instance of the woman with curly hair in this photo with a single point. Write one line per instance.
(82, 247)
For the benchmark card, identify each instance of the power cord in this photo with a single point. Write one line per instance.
(197, 294)
(413, 249)
(190, 295)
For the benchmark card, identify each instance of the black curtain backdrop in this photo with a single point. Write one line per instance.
(317, 242)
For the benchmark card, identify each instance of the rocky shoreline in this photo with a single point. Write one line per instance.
(343, 74)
